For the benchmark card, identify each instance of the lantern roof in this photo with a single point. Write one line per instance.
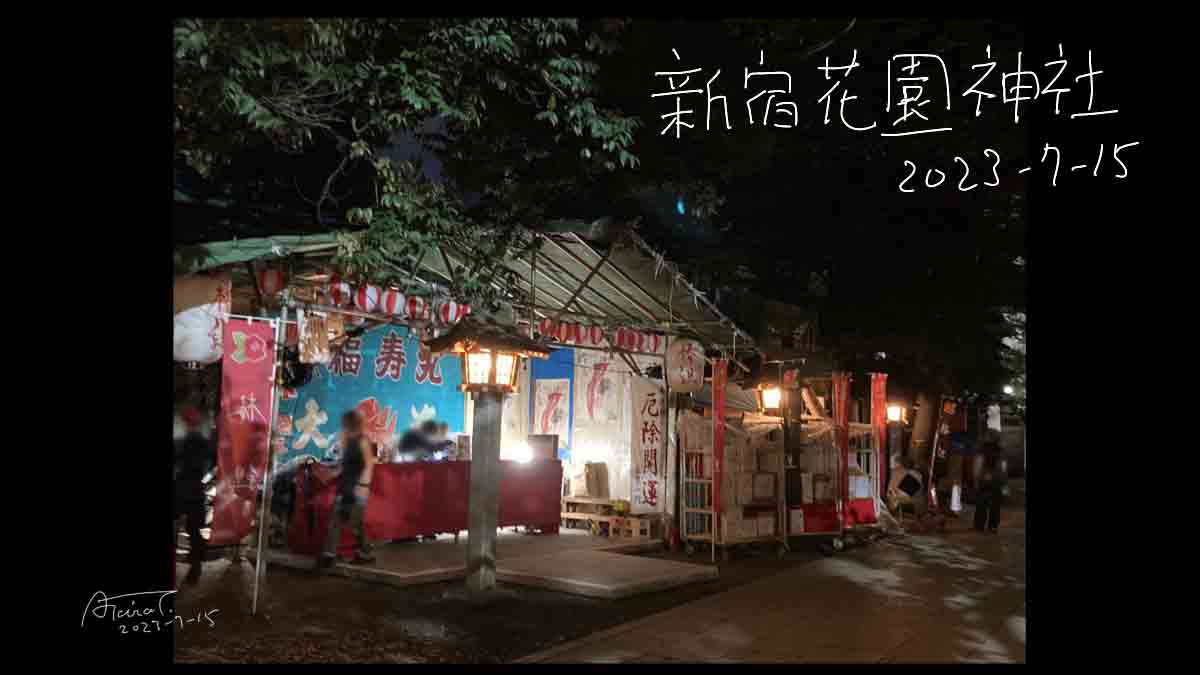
(473, 333)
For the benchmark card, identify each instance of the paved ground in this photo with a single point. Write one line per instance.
(957, 597)
(954, 597)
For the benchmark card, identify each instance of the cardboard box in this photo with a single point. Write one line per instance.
(764, 486)
(806, 487)
(745, 488)
(796, 521)
(592, 481)
(768, 460)
(766, 525)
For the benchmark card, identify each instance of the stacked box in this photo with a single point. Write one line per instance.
(796, 521)
(768, 460)
(764, 486)
(766, 525)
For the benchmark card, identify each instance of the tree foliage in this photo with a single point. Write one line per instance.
(497, 99)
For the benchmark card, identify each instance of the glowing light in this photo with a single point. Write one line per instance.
(517, 452)
(894, 413)
(772, 397)
(1008, 389)
(679, 206)
(504, 367)
(479, 367)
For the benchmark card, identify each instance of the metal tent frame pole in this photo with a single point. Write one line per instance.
(260, 565)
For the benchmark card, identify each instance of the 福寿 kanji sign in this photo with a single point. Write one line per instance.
(648, 442)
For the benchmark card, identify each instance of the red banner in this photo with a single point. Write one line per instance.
(719, 376)
(243, 428)
(879, 420)
(841, 430)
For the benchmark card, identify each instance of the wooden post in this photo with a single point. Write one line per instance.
(484, 500)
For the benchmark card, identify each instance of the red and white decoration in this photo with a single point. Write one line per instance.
(340, 292)
(366, 298)
(415, 308)
(685, 366)
(199, 329)
(594, 336)
(451, 312)
(271, 280)
(392, 302)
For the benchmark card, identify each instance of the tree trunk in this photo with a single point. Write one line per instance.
(922, 433)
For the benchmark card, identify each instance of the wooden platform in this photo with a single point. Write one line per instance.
(570, 562)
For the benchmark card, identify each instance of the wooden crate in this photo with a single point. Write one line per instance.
(629, 528)
(586, 510)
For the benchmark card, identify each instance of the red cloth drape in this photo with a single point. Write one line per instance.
(719, 377)
(418, 498)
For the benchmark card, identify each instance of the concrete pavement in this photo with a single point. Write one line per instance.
(954, 597)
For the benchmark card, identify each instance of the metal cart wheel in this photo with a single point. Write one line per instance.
(838, 544)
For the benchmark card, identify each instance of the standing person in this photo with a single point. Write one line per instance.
(194, 460)
(353, 489)
(992, 482)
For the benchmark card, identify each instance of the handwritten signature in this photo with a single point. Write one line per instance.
(122, 607)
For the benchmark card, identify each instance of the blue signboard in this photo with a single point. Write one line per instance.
(560, 365)
(385, 374)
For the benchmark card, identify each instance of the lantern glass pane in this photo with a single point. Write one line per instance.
(894, 413)
(505, 367)
(479, 367)
(771, 397)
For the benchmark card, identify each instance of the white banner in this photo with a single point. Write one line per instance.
(649, 448)
(551, 407)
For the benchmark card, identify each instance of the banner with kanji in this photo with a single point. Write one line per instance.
(649, 447)
(388, 376)
(243, 428)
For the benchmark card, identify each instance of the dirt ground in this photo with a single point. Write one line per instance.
(310, 618)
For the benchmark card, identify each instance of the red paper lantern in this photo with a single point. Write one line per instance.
(451, 312)
(392, 302)
(415, 308)
(340, 292)
(595, 335)
(653, 342)
(366, 298)
(271, 280)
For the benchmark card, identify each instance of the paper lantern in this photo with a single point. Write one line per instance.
(199, 328)
(340, 292)
(415, 308)
(392, 302)
(450, 312)
(652, 342)
(569, 333)
(271, 280)
(685, 366)
(366, 298)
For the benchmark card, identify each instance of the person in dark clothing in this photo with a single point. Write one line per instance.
(193, 461)
(992, 482)
(353, 489)
(418, 445)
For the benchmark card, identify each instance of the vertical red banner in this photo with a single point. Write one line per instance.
(719, 376)
(841, 430)
(879, 420)
(243, 428)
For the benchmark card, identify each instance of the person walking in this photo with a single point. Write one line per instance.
(195, 458)
(353, 490)
(992, 482)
